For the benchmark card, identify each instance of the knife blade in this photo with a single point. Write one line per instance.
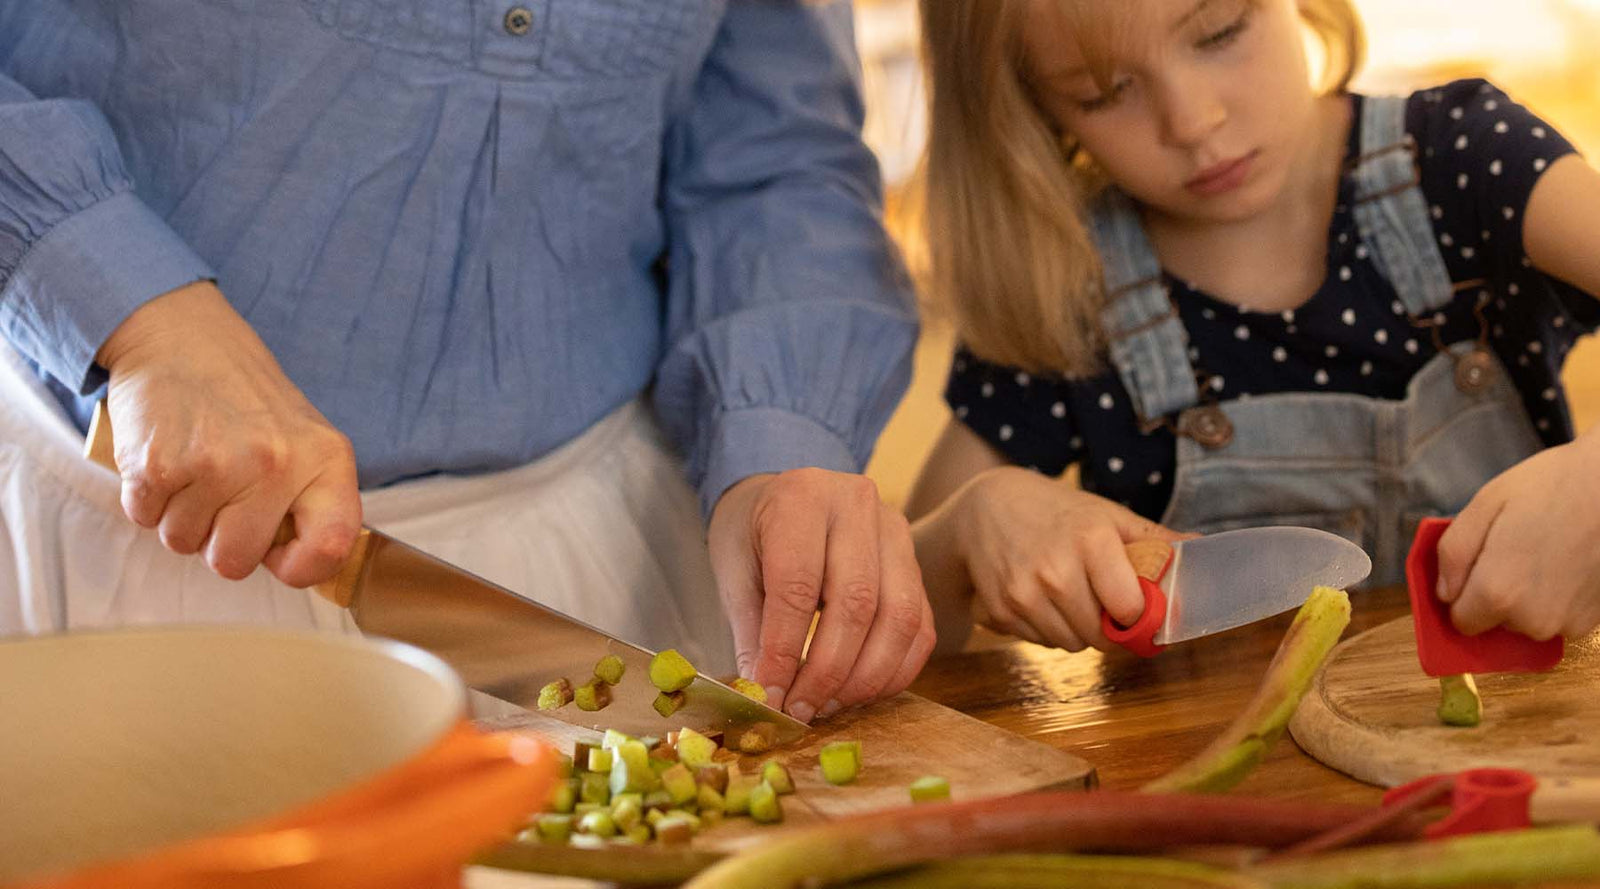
(499, 642)
(1229, 579)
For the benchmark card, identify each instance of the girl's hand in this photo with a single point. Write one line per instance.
(1045, 557)
(215, 444)
(1525, 553)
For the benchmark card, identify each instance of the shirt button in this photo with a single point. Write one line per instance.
(519, 20)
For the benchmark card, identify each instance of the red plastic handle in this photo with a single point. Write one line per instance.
(1441, 648)
(1480, 800)
(1140, 637)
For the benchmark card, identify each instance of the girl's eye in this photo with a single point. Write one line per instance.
(1220, 39)
(1105, 100)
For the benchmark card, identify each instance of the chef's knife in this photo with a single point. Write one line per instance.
(497, 641)
(1197, 587)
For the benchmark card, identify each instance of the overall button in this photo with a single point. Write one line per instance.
(1207, 425)
(519, 21)
(1474, 371)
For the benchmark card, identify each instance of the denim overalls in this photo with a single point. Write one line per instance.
(1365, 468)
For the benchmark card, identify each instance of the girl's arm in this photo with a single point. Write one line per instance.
(1511, 558)
(1561, 229)
(958, 456)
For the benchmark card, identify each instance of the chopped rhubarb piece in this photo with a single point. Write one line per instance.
(556, 695)
(929, 788)
(777, 776)
(758, 738)
(749, 689)
(679, 782)
(841, 761)
(593, 696)
(610, 669)
(764, 805)
(667, 703)
(694, 749)
(671, 671)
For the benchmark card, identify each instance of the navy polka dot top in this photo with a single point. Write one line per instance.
(1481, 154)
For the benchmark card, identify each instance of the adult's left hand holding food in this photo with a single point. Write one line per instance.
(784, 546)
(1523, 553)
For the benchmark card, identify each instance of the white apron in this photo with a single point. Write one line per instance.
(605, 528)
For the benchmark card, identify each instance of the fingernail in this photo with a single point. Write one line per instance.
(802, 711)
(829, 709)
(1442, 590)
(774, 696)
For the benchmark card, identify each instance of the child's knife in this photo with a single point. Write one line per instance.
(1197, 587)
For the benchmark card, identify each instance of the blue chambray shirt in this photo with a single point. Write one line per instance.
(469, 229)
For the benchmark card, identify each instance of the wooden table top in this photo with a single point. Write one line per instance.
(1136, 719)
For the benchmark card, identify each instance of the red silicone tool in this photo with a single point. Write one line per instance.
(1480, 800)
(1446, 651)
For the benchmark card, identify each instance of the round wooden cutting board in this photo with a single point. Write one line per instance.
(1371, 714)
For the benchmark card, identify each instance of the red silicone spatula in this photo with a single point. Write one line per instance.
(1446, 651)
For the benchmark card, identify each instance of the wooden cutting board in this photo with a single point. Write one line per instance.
(1371, 714)
(902, 739)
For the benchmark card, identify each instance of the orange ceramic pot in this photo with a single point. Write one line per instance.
(242, 757)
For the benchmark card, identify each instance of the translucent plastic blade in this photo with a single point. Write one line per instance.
(1226, 580)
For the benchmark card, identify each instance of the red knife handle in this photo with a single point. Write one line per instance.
(1139, 638)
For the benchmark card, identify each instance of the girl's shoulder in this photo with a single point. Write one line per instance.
(1479, 154)
(1474, 116)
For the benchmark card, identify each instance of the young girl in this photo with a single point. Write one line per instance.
(1234, 298)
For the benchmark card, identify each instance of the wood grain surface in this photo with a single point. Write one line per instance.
(1371, 714)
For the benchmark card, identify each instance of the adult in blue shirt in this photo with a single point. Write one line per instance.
(452, 254)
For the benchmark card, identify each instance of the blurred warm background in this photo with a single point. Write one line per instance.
(1540, 51)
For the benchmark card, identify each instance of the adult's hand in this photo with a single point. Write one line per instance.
(784, 546)
(215, 445)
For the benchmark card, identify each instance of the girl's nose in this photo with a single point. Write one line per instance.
(1190, 113)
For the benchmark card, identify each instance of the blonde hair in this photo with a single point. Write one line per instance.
(1003, 196)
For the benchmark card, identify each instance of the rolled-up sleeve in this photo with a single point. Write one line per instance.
(79, 251)
(790, 318)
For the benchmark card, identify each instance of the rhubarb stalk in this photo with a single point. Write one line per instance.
(1535, 855)
(1241, 747)
(1105, 821)
(1062, 872)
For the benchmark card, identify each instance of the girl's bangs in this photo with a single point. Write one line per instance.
(1109, 32)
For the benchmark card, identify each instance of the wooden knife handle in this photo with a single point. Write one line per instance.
(98, 447)
(1149, 557)
(1558, 800)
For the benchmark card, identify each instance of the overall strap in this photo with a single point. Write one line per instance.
(1390, 212)
(1148, 343)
